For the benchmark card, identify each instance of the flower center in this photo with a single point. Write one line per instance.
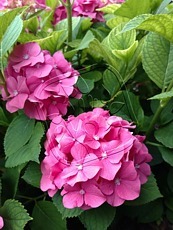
(104, 155)
(96, 137)
(117, 181)
(137, 166)
(79, 167)
(25, 56)
(82, 192)
(15, 92)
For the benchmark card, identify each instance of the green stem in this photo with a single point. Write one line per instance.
(156, 116)
(69, 19)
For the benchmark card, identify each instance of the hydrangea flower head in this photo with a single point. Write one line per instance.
(38, 82)
(102, 160)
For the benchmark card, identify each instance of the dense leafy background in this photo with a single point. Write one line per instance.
(126, 67)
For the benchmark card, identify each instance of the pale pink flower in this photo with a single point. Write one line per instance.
(82, 195)
(1, 222)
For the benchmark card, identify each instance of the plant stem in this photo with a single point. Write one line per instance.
(156, 116)
(69, 19)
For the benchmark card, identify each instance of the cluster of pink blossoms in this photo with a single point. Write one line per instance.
(39, 83)
(10, 4)
(84, 8)
(94, 158)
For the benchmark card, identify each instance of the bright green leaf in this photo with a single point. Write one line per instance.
(18, 134)
(109, 9)
(149, 192)
(14, 215)
(33, 174)
(165, 135)
(161, 24)
(46, 216)
(132, 8)
(99, 218)
(11, 34)
(162, 96)
(157, 59)
(114, 22)
(65, 212)
(121, 41)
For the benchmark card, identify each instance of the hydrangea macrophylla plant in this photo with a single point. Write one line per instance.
(94, 158)
(39, 83)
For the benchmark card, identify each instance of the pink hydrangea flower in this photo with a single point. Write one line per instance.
(83, 195)
(1, 222)
(38, 82)
(125, 186)
(97, 151)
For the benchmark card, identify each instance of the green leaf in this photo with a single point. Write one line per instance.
(3, 119)
(169, 203)
(10, 180)
(14, 215)
(46, 216)
(128, 104)
(109, 9)
(7, 18)
(85, 85)
(149, 192)
(65, 212)
(161, 24)
(33, 174)
(149, 212)
(167, 155)
(114, 22)
(28, 152)
(53, 42)
(110, 82)
(18, 134)
(169, 215)
(121, 41)
(11, 34)
(162, 96)
(132, 8)
(99, 218)
(162, 6)
(165, 135)
(86, 40)
(157, 59)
